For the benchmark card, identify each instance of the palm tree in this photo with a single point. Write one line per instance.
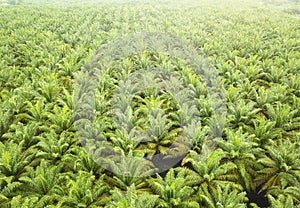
(60, 119)
(282, 201)
(48, 87)
(131, 198)
(262, 96)
(241, 112)
(226, 197)
(234, 94)
(173, 191)
(5, 122)
(22, 202)
(79, 160)
(128, 169)
(280, 164)
(207, 174)
(13, 162)
(36, 112)
(283, 193)
(265, 130)
(43, 182)
(65, 99)
(242, 151)
(54, 147)
(275, 74)
(85, 191)
(14, 100)
(159, 130)
(292, 80)
(25, 134)
(284, 116)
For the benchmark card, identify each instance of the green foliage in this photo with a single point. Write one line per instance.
(279, 165)
(225, 197)
(85, 191)
(242, 150)
(131, 198)
(173, 191)
(207, 175)
(13, 161)
(253, 48)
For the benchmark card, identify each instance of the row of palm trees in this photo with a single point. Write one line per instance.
(43, 162)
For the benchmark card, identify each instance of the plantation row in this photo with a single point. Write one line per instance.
(256, 158)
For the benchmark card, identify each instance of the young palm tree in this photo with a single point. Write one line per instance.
(284, 116)
(264, 130)
(13, 162)
(241, 112)
(131, 198)
(48, 87)
(280, 164)
(160, 134)
(35, 112)
(129, 170)
(284, 193)
(226, 197)
(60, 119)
(159, 131)
(234, 94)
(282, 202)
(242, 151)
(5, 122)
(53, 146)
(210, 173)
(22, 202)
(293, 80)
(77, 159)
(85, 191)
(275, 74)
(25, 134)
(173, 191)
(65, 99)
(262, 96)
(43, 182)
(14, 100)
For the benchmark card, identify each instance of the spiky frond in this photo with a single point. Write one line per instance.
(281, 164)
(173, 191)
(131, 198)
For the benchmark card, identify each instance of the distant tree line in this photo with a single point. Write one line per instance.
(11, 2)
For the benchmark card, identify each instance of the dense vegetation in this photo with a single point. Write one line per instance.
(255, 50)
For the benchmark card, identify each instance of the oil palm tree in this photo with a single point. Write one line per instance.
(211, 172)
(25, 134)
(13, 162)
(264, 129)
(85, 191)
(22, 202)
(282, 192)
(173, 191)
(282, 201)
(54, 147)
(241, 112)
(36, 112)
(60, 119)
(284, 116)
(131, 198)
(226, 197)
(128, 169)
(280, 164)
(43, 182)
(77, 159)
(242, 151)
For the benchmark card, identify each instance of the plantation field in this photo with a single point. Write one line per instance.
(94, 112)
